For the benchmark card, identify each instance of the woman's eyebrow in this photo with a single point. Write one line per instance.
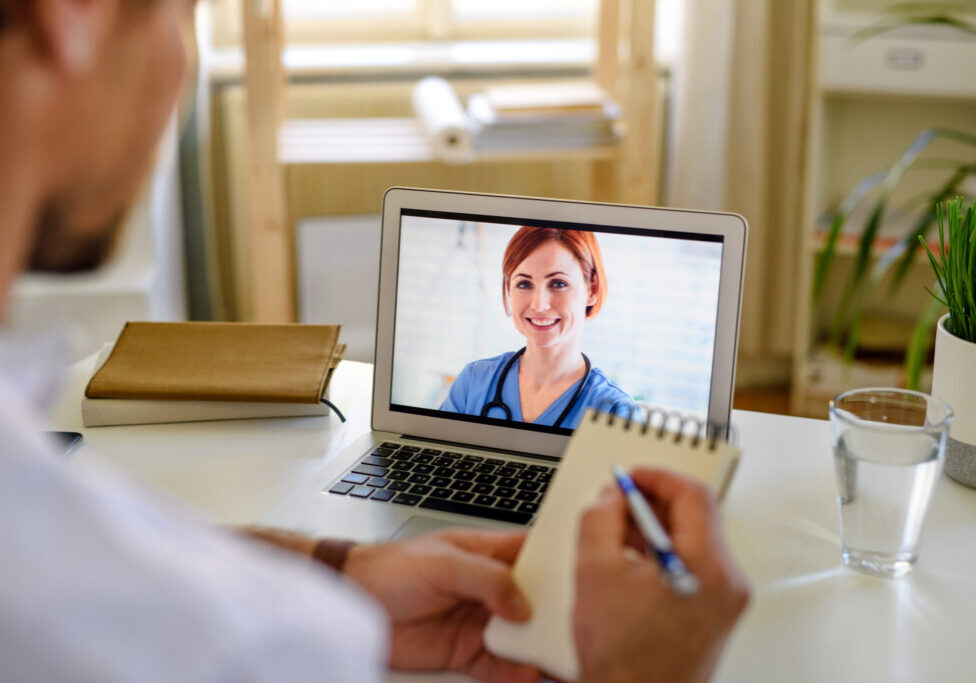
(558, 272)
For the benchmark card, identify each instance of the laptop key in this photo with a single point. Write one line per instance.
(505, 492)
(494, 461)
(420, 489)
(527, 496)
(362, 492)
(443, 472)
(485, 468)
(463, 465)
(517, 465)
(486, 479)
(423, 469)
(545, 477)
(441, 493)
(419, 478)
(371, 470)
(529, 485)
(505, 471)
(465, 508)
(401, 455)
(398, 486)
(423, 458)
(482, 488)
(527, 475)
(461, 485)
(383, 452)
(406, 499)
(390, 444)
(463, 496)
(382, 494)
(378, 461)
(410, 449)
(539, 468)
(440, 481)
(378, 482)
(442, 461)
(355, 478)
(431, 451)
(484, 500)
(531, 508)
(504, 503)
(403, 465)
(464, 476)
(397, 475)
(507, 482)
(341, 488)
(452, 455)
(474, 458)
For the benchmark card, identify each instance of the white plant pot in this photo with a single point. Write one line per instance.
(954, 381)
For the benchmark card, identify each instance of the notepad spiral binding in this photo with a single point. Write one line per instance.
(656, 421)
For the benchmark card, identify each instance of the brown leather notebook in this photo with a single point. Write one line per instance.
(219, 362)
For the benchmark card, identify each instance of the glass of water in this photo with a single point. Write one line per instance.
(888, 451)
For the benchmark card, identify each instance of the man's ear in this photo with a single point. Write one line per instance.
(70, 32)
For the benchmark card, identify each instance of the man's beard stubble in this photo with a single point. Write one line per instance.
(59, 249)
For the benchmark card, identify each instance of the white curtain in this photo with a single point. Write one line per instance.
(743, 82)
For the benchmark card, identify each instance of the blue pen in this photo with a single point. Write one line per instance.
(682, 581)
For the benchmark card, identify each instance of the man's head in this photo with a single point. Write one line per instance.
(88, 86)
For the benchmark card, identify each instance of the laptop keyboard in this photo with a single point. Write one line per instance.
(435, 479)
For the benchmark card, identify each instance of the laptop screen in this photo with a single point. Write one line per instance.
(531, 322)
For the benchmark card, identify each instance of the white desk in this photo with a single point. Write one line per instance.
(811, 619)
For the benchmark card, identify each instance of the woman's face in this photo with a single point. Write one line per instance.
(548, 296)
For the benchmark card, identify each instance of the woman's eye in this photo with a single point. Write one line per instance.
(523, 284)
(558, 284)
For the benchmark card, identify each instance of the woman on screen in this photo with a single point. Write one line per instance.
(552, 281)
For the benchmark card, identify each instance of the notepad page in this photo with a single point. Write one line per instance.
(545, 569)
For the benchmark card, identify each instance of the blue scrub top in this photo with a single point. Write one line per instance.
(475, 387)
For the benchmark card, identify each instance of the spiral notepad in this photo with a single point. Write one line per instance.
(545, 568)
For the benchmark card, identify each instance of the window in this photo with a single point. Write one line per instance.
(322, 21)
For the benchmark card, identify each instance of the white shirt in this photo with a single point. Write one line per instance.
(100, 583)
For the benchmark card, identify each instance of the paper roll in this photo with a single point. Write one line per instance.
(444, 119)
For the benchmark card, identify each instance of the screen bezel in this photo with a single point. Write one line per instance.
(732, 228)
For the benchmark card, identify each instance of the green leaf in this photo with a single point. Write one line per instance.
(826, 256)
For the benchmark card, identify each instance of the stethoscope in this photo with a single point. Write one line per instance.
(497, 401)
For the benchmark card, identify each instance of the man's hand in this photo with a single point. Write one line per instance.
(440, 590)
(628, 624)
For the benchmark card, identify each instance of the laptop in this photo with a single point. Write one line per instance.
(480, 296)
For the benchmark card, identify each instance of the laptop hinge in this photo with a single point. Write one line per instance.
(443, 442)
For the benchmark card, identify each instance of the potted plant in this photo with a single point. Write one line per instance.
(870, 268)
(954, 378)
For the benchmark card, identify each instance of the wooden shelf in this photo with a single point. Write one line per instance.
(397, 140)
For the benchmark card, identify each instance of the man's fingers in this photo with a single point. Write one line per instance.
(603, 527)
(486, 580)
(501, 546)
(488, 667)
(687, 507)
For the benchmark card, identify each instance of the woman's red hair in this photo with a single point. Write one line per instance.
(581, 244)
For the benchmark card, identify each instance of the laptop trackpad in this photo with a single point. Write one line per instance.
(417, 525)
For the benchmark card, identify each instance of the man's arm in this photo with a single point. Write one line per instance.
(628, 624)
(439, 591)
(330, 552)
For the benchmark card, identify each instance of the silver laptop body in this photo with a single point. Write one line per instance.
(665, 336)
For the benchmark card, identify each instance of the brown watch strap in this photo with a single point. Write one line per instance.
(332, 553)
